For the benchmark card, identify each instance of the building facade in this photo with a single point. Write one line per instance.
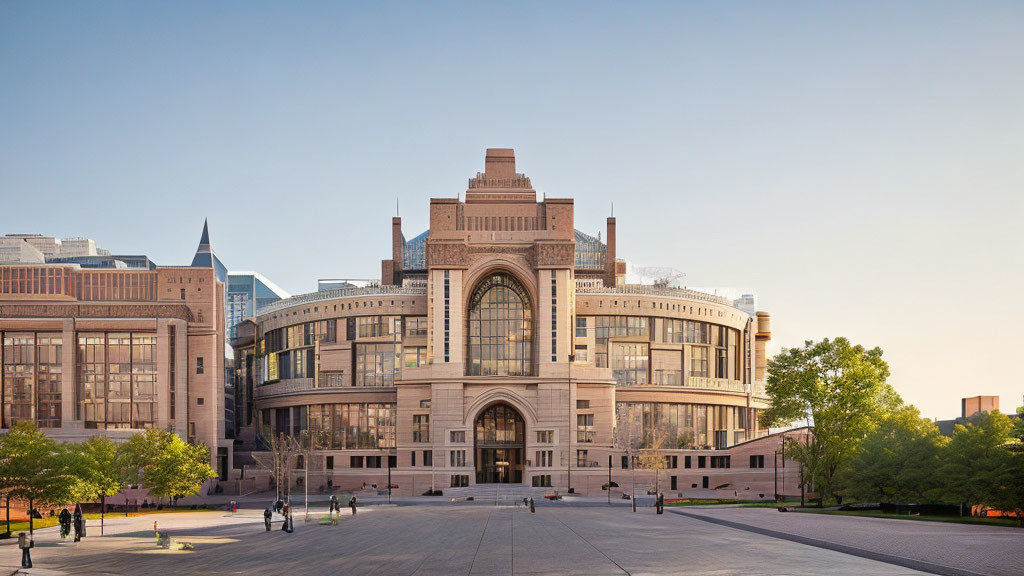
(502, 347)
(114, 351)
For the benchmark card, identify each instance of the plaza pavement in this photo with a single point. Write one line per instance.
(434, 540)
(938, 547)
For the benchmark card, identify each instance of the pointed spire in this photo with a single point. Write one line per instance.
(205, 239)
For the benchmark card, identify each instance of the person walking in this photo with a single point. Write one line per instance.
(65, 523)
(352, 504)
(25, 543)
(268, 514)
(79, 524)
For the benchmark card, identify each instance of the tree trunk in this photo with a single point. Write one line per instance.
(31, 516)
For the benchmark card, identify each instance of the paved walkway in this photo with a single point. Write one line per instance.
(941, 548)
(432, 540)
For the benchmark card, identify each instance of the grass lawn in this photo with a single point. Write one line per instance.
(47, 521)
(725, 501)
(879, 514)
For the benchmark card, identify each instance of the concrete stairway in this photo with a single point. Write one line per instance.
(498, 494)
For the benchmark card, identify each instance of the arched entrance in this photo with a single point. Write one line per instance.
(499, 442)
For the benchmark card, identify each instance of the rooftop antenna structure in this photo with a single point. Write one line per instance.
(397, 213)
(613, 209)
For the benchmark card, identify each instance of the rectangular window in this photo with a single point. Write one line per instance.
(425, 404)
(457, 458)
(421, 428)
(757, 461)
(415, 326)
(428, 457)
(673, 484)
(582, 404)
(182, 293)
(413, 454)
(541, 481)
(629, 363)
(414, 356)
(377, 364)
(457, 436)
(581, 353)
(581, 327)
(373, 461)
(625, 462)
(199, 365)
(699, 361)
(330, 463)
(554, 318)
(686, 462)
(545, 436)
(702, 461)
(460, 480)
(581, 458)
(584, 427)
(447, 306)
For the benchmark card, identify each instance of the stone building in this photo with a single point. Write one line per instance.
(114, 351)
(502, 347)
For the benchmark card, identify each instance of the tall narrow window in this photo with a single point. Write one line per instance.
(554, 318)
(500, 329)
(447, 316)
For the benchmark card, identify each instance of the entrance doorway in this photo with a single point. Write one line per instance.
(500, 441)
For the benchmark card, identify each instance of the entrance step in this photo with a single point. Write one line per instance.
(499, 494)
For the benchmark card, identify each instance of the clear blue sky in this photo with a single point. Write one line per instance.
(860, 164)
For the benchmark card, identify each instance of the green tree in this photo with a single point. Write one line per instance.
(34, 467)
(840, 390)
(179, 469)
(896, 461)
(976, 460)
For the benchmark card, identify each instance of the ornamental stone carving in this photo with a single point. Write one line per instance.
(447, 255)
(559, 255)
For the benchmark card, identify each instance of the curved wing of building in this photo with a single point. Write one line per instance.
(502, 347)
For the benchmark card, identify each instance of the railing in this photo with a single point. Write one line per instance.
(340, 293)
(280, 387)
(722, 384)
(644, 290)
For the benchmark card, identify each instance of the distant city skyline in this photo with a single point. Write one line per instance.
(863, 160)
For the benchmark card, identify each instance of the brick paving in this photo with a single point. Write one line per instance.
(435, 540)
(948, 548)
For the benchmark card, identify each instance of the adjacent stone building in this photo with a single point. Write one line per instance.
(114, 350)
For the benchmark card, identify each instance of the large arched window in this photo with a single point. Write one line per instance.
(500, 328)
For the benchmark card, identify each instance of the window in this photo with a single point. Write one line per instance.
(415, 326)
(696, 332)
(582, 404)
(332, 378)
(699, 361)
(330, 463)
(673, 485)
(545, 458)
(428, 457)
(425, 404)
(671, 462)
(377, 364)
(757, 461)
(545, 436)
(581, 353)
(414, 356)
(199, 401)
(581, 327)
(355, 461)
(584, 427)
(182, 293)
(702, 461)
(629, 363)
(460, 480)
(581, 458)
(625, 462)
(500, 329)
(686, 462)
(413, 454)
(373, 461)
(421, 428)
(199, 364)
(457, 436)
(720, 461)
(542, 481)
(721, 363)
(457, 458)
(375, 326)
